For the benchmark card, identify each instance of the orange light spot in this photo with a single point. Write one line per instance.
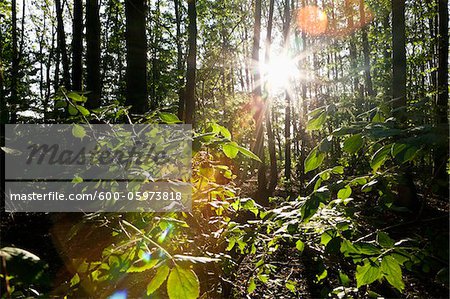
(312, 20)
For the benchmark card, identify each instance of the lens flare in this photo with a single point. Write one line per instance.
(165, 232)
(279, 72)
(146, 257)
(121, 294)
(312, 20)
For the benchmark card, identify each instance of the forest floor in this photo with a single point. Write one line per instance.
(40, 233)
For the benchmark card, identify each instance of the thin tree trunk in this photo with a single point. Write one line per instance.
(352, 47)
(191, 63)
(270, 135)
(47, 71)
(259, 108)
(3, 107)
(287, 122)
(399, 59)
(41, 64)
(61, 36)
(441, 154)
(442, 99)
(366, 49)
(179, 59)
(77, 46)
(93, 84)
(136, 44)
(154, 97)
(14, 66)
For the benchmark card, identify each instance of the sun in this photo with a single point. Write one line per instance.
(279, 73)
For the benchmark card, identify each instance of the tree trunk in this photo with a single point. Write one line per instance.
(287, 137)
(77, 46)
(47, 71)
(259, 108)
(270, 135)
(61, 37)
(154, 96)
(136, 44)
(14, 67)
(366, 50)
(399, 60)
(179, 59)
(93, 84)
(441, 153)
(3, 107)
(191, 63)
(442, 99)
(287, 120)
(352, 46)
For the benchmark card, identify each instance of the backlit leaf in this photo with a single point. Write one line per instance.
(183, 284)
(158, 279)
(345, 192)
(392, 272)
(300, 245)
(316, 123)
(367, 273)
(78, 131)
(314, 160)
(168, 118)
(353, 144)
(251, 286)
(380, 157)
(230, 150)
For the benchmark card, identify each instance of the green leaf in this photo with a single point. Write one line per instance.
(291, 285)
(76, 97)
(316, 123)
(345, 280)
(367, 273)
(309, 208)
(231, 244)
(404, 152)
(353, 144)
(300, 245)
(147, 266)
(72, 110)
(356, 250)
(326, 237)
(380, 157)
(61, 104)
(75, 280)
(263, 278)
(168, 118)
(345, 192)
(338, 170)
(322, 275)
(230, 150)
(77, 179)
(83, 110)
(224, 131)
(392, 272)
(248, 153)
(183, 284)
(377, 118)
(384, 240)
(314, 160)
(158, 279)
(251, 286)
(78, 131)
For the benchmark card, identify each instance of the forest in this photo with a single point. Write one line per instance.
(320, 146)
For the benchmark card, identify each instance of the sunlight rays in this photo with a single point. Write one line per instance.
(279, 73)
